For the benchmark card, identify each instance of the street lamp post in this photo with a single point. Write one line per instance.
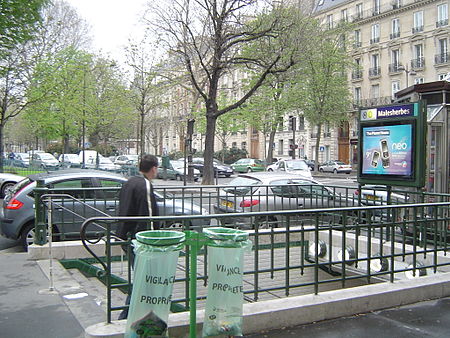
(411, 72)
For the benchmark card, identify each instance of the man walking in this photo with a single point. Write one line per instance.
(136, 198)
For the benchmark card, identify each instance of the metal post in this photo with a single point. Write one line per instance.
(50, 241)
(40, 231)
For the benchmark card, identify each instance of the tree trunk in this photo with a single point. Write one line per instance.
(1, 148)
(269, 158)
(319, 130)
(141, 135)
(208, 169)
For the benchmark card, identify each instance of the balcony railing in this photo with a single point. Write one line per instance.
(441, 23)
(375, 71)
(357, 44)
(441, 58)
(417, 29)
(395, 68)
(418, 63)
(374, 40)
(395, 35)
(357, 17)
(357, 74)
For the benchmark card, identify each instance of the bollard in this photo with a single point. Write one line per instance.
(155, 265)
(223, 311)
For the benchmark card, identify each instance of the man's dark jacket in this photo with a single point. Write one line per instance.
(133, 202)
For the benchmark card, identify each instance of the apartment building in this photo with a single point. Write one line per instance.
(394, 44)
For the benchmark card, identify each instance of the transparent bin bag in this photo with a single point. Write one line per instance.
(223, 311)
(154, 275)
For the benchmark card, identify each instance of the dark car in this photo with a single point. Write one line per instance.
(17, 215)
(220, 169)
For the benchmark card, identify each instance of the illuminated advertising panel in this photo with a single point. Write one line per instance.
(391, 145)
(388, 150)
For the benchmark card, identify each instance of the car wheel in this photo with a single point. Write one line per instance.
(321, 170)
(249, 170)
(27, 236)
(178, 178)
(177, 225)
(335, 171)
(266, 222)
(227, 175)
(7, 186)
(271, 170)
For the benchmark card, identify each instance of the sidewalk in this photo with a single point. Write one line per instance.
(28, 309)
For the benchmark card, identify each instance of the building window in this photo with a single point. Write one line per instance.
(441, 77)
(418, 22)
(357, 71)
(301, 122)
(330, 21)
(280, 147)
(395, 28)
(442, 15)
(344, 15)
(395, 87)
(395, 61)
(396, 4)
(375, 36)
(376, 7)
(357, 96)
(442, 57)
(357, 37)
(244, 145)
(418, 61)
(234, 145)
(375, 91)
(375, 65)
(419, 80)
(359, 11)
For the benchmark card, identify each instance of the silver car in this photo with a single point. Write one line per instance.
(335, 167)
(96, 193)
(7, 181)
(291, 166)
(267, 191)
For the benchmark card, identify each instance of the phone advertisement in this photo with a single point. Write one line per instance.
(388, 150)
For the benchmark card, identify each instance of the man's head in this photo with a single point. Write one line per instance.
(148, 166)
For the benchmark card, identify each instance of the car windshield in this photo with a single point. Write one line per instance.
(340, 163)
(20, 185)
(177, 164)
(297, 165)
(46, 156)
(241, 185)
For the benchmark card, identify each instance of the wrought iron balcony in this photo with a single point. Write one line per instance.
(357, 44)
(441, 23)
(395, 67)
(357, 74)
(395, 35)
(418, 63)
(375, 71)
(374, 40)
(441, 58)
(417, 29)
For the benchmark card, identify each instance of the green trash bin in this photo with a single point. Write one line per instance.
(223, 310)
(155, 266)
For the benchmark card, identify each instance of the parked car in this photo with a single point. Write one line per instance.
(220, 168)
(175, 171)
(7, 181)
(17, 218)
(291, 166)
(104, 163)
(127, 160)
(69, 160)
(335, 167)
(311, 164)
(44, 160)
(21, 160)
(265, 191)
(248, 165)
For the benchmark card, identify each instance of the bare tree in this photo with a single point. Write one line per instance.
(210, 38)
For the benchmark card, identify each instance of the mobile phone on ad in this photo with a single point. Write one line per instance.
(375, 158)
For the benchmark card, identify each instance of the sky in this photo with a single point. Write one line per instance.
(112, 22)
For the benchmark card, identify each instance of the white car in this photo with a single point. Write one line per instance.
(104, 163)
(126, 160)
(70, 160)
(335, 167)
(292, 167)
(7, 181)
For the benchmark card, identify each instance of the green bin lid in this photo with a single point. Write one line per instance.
(160, 237)
(225, 234)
